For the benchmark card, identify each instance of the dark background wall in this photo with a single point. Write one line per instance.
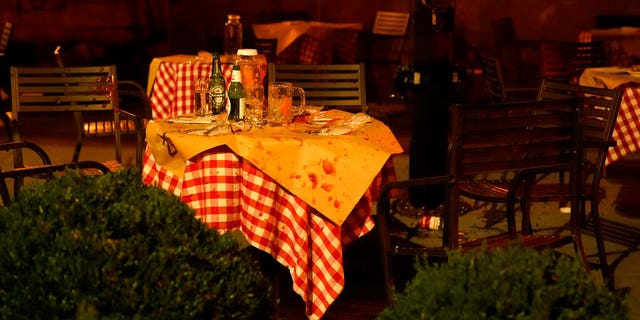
(137, 30)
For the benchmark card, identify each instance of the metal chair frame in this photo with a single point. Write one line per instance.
(87, 92)
(43, 170)
(496, 87)
(524, 138)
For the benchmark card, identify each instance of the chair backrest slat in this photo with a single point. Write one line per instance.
(391, 23)
(503, 137)
(599, 105)
(599, 111)
(36, 89)
(340, 86)
(494, 81)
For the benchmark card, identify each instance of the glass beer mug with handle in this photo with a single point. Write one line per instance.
(280, 103)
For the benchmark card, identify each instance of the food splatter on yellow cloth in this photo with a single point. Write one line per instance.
(329, 172)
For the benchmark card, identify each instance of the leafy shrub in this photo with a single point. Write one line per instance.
(515, 283)
(109, 247)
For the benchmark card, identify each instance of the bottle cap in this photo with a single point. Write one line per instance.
(247, 52)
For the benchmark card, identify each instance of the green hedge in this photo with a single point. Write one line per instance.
(108, 247)
(515, 283)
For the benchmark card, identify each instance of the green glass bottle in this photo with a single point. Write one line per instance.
(236, 95)
(216, 87)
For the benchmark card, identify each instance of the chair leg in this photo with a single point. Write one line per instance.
(385, 246)
(602, 254)
(525, 207)
(576, 228)
(116, 132)
(140, 144)
(7, 125)
(79, 137)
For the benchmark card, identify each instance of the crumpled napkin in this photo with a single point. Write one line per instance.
(353, 123)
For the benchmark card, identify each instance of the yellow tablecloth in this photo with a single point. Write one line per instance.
(330, 173)
(607, 77)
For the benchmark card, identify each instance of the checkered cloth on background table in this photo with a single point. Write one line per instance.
(172, 93)
(229, 193)
(626, 132)
(310, 50)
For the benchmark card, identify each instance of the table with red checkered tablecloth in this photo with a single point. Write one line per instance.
(627, 129)
(299, 197)
(626, 132)
(312, 42)
(170, 84)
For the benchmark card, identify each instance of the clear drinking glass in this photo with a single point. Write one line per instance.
(281, 108)
(254, 105)
(201, 97)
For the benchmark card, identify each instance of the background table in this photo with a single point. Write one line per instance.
(626, 132)
(224, 179)
(170, 83)
(312, 42)
(622, 44)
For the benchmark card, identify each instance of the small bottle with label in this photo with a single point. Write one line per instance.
(236, 95)
(216, 87)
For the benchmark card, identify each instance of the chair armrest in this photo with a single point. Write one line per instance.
(20, 145)
(44, 172)
(53, 168)
(129, 88)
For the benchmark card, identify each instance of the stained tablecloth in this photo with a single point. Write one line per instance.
(275, 188)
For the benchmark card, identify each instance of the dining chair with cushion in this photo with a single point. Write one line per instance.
(90, 93)
(524, 139)
(334, 86)
(496, 86)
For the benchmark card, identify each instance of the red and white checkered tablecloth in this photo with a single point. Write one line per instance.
(172, 93)
(627, 129)
(342, 48)
(229, 193)
(312, 42)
